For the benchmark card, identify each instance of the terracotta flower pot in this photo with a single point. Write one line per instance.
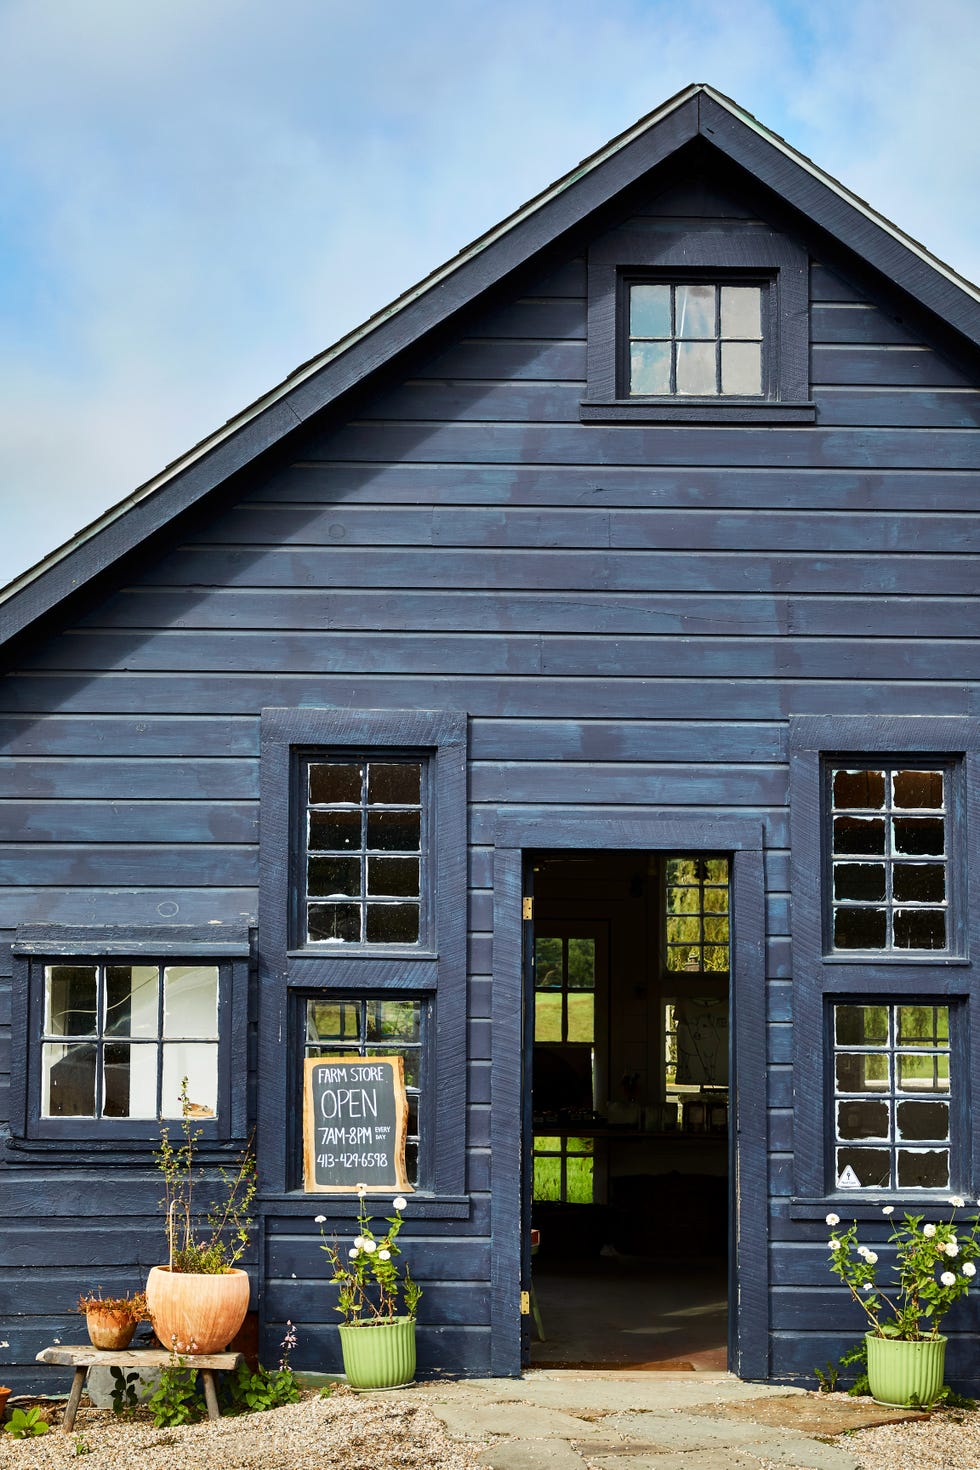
(109, 1329)
(196, 1314)
(4, 1396)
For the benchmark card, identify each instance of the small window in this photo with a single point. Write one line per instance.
(696, 339)
(364, 851)
(892, 1093)
(889, 856)
(696, 924)
(564, 1169)
(117, 1040)
(377, 1027)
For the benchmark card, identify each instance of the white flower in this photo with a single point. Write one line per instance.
(871, 1257)
(888, 1209)
(384, 1255)
(361, 1190)
(370, 1247)
(956, 1202)
(952, 1249)
(399, 1202)
(868, 1286)
(862, 1250)
(353, 1252)
(319, 1219)
(969, 1269)
(928, 1231)
(948, 1279)
(833, 1219)
(833, 1245)
(360, 1242)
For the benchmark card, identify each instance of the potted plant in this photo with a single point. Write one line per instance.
(377, 1341)
(112, 1320)
(933, 1268)
(199, 1299)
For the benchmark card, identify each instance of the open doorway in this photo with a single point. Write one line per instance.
(627, 1138)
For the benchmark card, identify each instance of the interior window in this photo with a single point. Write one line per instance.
(892, 1095)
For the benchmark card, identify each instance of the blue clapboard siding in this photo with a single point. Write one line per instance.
(628, 613)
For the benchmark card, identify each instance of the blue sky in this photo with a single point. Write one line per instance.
(198, 195)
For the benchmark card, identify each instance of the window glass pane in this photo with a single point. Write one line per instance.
(716, 870)
(861, 1025)
(334, 877)
(920, 929)
(862, 1119)
(333, 783)
(920, 836)
(859, 835)
(393, 831)
(684, 900)
(334, 923)
(859, 789)
(741, 311)
(922, 1025)
(694, 309)
(681, 870)
(923, 1073)
(199, 1064)
(395, 877)
(131, 1000)
(581, 964)
(859, 881)
(392, 923)
(578, 1180)
(547, 1178)
(926, 1121)
(399, 785)
(129, 1084)
(919, 882)
(390, 1019)
(872, 1166)
(862, 1072)
(923, 1168)
(190, 1001)
(696, 367)
(334, 831)
(332, 1020)
(70, 996)
(650, 367)
(547, 963)
(716, 928)
(547, 1017)
(649, 311)
(741, 367)
(411, 1058)
(581, 1017)
(860, 928)
(918, 789)
(68, 1080)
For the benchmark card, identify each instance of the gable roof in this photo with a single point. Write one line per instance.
(699, 111)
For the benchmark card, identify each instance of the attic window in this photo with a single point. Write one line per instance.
(706, 325)
(695, 338)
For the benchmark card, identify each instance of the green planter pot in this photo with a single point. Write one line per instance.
(900, 1371)
(379, 1355)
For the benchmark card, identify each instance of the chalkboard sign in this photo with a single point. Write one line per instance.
(354, 1122)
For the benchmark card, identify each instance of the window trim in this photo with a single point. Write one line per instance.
(37, 945)
(925, 976)
(434, 972)
(627, 257)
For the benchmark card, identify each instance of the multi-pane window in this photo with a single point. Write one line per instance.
(117, 1040)
(696, 921)
(364, 852)
(564, 1063)
(564, 1169)
(699, 339)
(889, 831)
(892, 1081)
(363, 1027)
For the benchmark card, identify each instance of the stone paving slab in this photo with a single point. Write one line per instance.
(534, 1454)
(822, 1414)
(511, 1420)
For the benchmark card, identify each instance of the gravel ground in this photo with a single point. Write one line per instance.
(947, 1441)
(343, 1432)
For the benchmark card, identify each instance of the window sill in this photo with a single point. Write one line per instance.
(868, 957)
(420, 1206)
(852, 1204)
(695, 410)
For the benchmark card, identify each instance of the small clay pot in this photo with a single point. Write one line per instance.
(4, 1396)
(109, 1329)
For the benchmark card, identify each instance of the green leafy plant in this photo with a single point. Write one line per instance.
(176, 1400)
(218, 1247)
(249, 1392)
(933, 1267)
(23, 1423)
(124, 1395)
(368, 1274)
(826, 1380)
(82, 1447)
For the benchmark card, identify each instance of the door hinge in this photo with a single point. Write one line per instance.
(525, 1304)
(527, 911)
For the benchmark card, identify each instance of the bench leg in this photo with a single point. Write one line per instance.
(210, 1397)
(71, 1408)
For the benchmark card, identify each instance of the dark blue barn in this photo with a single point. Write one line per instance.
(568, 683)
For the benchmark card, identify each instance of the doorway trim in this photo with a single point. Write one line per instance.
(520, 831)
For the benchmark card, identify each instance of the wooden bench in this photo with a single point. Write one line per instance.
(81, 1357)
